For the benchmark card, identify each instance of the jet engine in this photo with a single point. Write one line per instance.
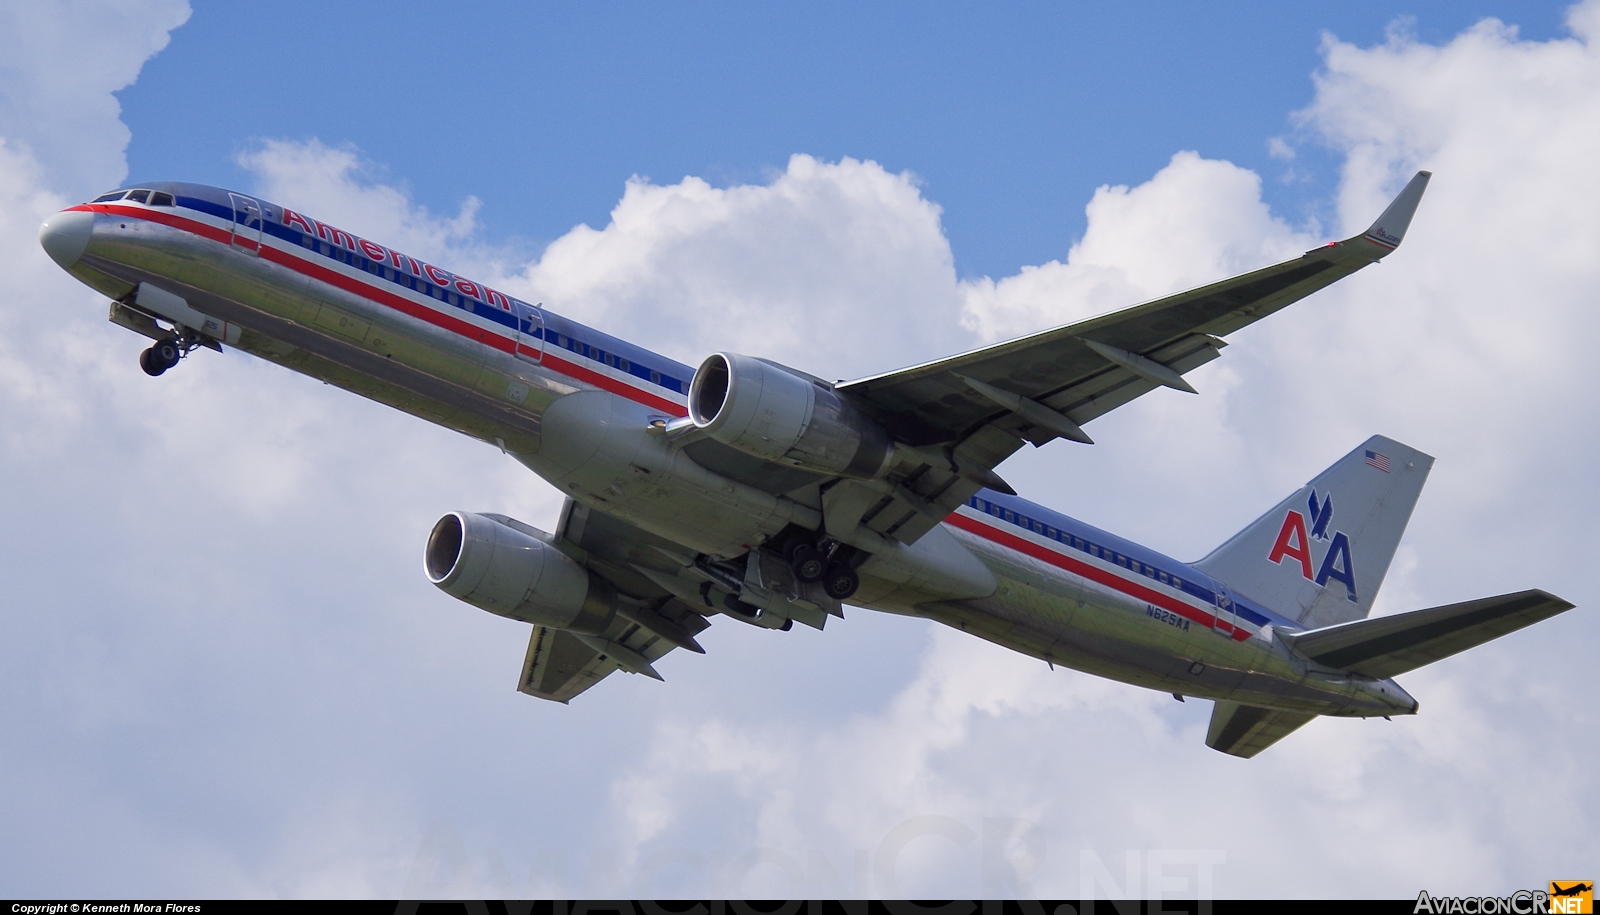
(777, 415)
(506, 567)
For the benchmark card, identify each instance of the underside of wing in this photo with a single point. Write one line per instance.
(558, 666)
(649, 622)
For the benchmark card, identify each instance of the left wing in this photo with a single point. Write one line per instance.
(1048, 384)
(956, 419)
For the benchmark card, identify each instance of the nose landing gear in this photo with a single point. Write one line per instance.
(162, 355)
(165, 353)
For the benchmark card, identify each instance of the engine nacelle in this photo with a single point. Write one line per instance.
(502, 567)
(776, 415)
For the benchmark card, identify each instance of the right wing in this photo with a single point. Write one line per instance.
(649, 623)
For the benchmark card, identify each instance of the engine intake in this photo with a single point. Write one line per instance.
(776, 415)
(503, 566)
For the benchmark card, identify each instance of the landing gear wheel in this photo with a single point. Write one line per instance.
(807, 563)
(840, 582)
(149, 364)
(159, 357)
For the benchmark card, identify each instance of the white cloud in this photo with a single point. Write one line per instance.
(63, 61)
(841, 267)
(217, 639)
(1195, 221)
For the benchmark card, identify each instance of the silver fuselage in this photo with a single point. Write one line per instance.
(577, 407)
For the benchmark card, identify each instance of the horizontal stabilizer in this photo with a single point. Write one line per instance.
(1391, 645)
(1245, 730)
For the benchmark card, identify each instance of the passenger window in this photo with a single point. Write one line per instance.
(655, 377)
(139, 196)
(626, 365)
(161, 199)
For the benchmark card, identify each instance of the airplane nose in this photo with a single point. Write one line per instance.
(65, 235)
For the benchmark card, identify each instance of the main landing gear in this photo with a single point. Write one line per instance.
(828, 564)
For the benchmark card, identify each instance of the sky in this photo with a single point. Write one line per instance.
(223, 673)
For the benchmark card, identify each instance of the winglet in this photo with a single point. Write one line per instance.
(1390, 229)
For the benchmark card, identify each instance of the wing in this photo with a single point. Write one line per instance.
(1245, 730)
(1081, 371)
(1388, 646)
(650, 620)
(958, 418)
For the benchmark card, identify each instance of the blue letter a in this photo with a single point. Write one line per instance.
(1345, 572)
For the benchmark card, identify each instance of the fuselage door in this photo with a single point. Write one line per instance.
(530, 332)
(246, 223)
(1226, 616)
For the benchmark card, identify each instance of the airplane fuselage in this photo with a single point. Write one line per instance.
(593, 414)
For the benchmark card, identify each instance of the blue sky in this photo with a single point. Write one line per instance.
(223, 673)
(1011, 115)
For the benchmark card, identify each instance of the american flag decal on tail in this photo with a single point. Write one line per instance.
(1377, 460)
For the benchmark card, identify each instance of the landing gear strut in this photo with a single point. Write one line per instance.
(162, 355)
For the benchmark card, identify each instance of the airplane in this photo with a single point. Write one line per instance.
(750, 490)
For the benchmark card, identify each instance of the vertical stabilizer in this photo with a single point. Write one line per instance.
(1320, 555)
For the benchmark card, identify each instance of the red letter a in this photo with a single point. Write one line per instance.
(1294, 529)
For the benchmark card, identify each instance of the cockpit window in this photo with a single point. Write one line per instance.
(161, 199)
(139, 196)
(107, 198)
